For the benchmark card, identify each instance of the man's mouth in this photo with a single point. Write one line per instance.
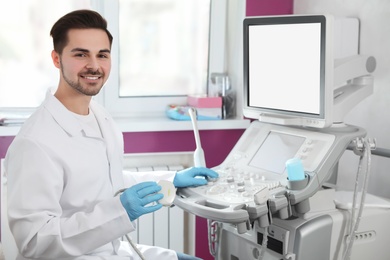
(91, 77)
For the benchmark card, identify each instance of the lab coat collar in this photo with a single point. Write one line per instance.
(65, 118)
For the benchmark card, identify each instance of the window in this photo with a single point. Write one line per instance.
(164, 48)
(189, 43)
(26, 68)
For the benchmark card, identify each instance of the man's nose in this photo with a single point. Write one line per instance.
(93, 64)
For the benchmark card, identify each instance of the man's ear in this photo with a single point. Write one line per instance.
(56, 59)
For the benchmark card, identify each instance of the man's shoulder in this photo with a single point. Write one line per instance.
(39, 123)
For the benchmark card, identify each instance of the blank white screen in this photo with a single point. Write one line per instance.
(284, 67)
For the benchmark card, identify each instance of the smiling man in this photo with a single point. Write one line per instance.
(64, 168)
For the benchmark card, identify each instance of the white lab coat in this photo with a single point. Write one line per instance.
(61, 185)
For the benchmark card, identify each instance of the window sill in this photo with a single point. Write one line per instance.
(156, 124)
(9, 130)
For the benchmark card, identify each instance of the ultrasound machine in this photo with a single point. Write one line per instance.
(276, 197)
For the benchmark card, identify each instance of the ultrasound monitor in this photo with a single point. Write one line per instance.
(288, 70)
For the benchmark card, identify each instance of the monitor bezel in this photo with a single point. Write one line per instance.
(283, 117)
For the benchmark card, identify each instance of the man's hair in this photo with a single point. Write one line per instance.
(79, 19)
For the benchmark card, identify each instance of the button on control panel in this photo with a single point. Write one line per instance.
(235, 186)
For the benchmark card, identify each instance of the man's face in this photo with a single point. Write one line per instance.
(85, 61)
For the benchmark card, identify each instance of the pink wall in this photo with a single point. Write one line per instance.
(216, 143)
(5, 141)
(268, 7)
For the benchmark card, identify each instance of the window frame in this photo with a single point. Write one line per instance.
(155, 106)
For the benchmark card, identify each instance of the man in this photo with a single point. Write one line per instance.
(65, 165)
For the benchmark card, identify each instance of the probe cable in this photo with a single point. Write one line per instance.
(355, 222)
(133, 245)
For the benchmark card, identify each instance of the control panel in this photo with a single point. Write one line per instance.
(254, 173)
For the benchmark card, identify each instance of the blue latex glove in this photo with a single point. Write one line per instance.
(135, 198)
(189, 177)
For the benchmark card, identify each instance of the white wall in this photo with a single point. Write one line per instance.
(234, 49)
(373, 114)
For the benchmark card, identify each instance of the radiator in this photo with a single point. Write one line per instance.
(170, 227)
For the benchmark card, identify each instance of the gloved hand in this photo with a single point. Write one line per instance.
(188, 177)
(135, 198)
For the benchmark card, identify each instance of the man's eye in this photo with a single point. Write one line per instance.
(80, 55)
